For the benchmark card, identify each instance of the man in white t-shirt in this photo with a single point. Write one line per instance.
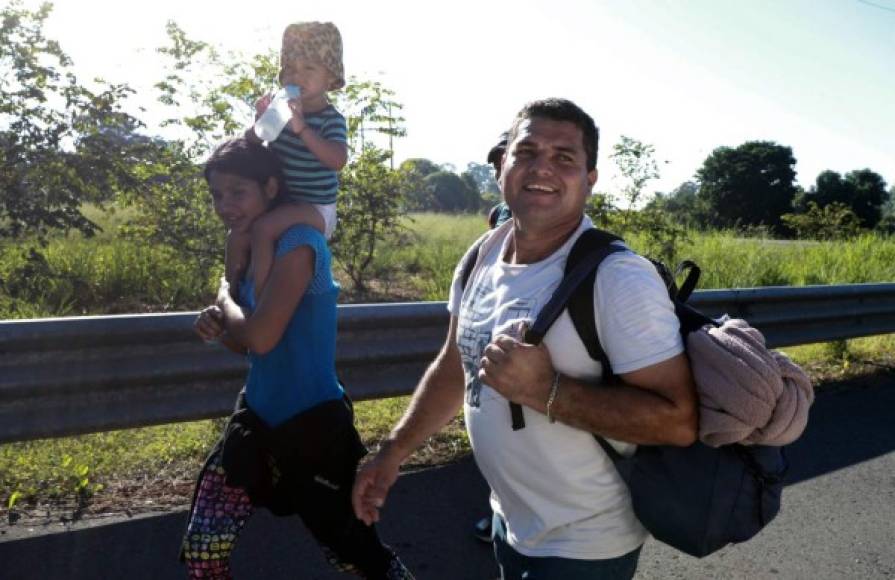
(561, 509)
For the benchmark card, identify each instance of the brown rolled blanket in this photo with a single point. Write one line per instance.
(747, 393)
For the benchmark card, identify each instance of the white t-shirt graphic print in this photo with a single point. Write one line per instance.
(555, 487)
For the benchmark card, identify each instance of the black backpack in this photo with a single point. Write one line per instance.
(697, 499)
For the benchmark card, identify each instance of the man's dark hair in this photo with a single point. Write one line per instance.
(246, 159)
(562, 110)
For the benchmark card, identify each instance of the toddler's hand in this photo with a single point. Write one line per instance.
(262, 104)
(297, 122)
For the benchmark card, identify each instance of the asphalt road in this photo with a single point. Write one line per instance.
(837, 522)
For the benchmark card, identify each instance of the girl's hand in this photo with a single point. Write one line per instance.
(223, 294)
(209, 325)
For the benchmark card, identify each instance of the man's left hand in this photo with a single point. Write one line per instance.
(519, 371)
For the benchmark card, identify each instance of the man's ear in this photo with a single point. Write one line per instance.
(592, 178)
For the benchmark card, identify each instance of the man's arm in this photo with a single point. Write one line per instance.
(653, 405)
(435, 402)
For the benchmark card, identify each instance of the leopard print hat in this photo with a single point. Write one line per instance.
(318, 42)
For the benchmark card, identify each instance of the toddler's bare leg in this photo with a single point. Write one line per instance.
(267, 230)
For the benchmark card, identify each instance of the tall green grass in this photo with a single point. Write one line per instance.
(433, 247)
(731, 262)
(78, 276)
(727, 261)
(105, 274)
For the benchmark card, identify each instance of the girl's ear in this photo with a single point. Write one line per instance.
(271, 188)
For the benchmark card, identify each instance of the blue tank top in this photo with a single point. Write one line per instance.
(300, 371)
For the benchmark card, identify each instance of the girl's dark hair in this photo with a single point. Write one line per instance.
(246, 159)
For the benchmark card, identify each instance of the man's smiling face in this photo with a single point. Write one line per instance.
(545, 179)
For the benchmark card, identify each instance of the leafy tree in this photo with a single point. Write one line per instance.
(417, 195)
(750, 184)
(834, 221)
(209, 96)
(371, 111)
(828, 188)
(661, 231)
(61, 144)
(863, 191)
(472, 188)
(371, 195)
(869, 195)
(887, 222)
(450, 193)
(369, 212)
(602, 211)
(637, 164)
(420, 166)
(682, 204)
(482, 175)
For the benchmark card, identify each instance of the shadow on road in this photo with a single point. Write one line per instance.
(429, 517)
(849, 423)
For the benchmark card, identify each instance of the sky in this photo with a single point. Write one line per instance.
(686, 76)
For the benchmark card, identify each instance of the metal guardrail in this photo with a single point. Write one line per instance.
(65, 376)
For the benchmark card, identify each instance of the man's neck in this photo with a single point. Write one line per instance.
(529, 245)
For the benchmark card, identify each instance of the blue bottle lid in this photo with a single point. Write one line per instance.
(293, 91)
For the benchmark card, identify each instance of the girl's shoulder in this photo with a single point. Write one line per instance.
(301, 235)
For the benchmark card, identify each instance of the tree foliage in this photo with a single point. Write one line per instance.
(834, 221)
(433, 187)
(372, 113)
(482, 175)
(637, 164)
(451, 193)
(887, 222)
(863, 191)
(752, 184)
(209, 97)
(61, 143)
(369, 211)
(682, 205)
(660, 231)
(417, 196)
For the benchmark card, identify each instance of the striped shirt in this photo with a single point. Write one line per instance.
(307, 179)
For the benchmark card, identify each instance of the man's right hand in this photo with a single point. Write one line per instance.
(374, 480)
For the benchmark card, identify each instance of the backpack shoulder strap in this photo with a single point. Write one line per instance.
(585, 257)
(470, 258)
(693, 272)
(589, 251)
(496, 217)
(581, 303)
